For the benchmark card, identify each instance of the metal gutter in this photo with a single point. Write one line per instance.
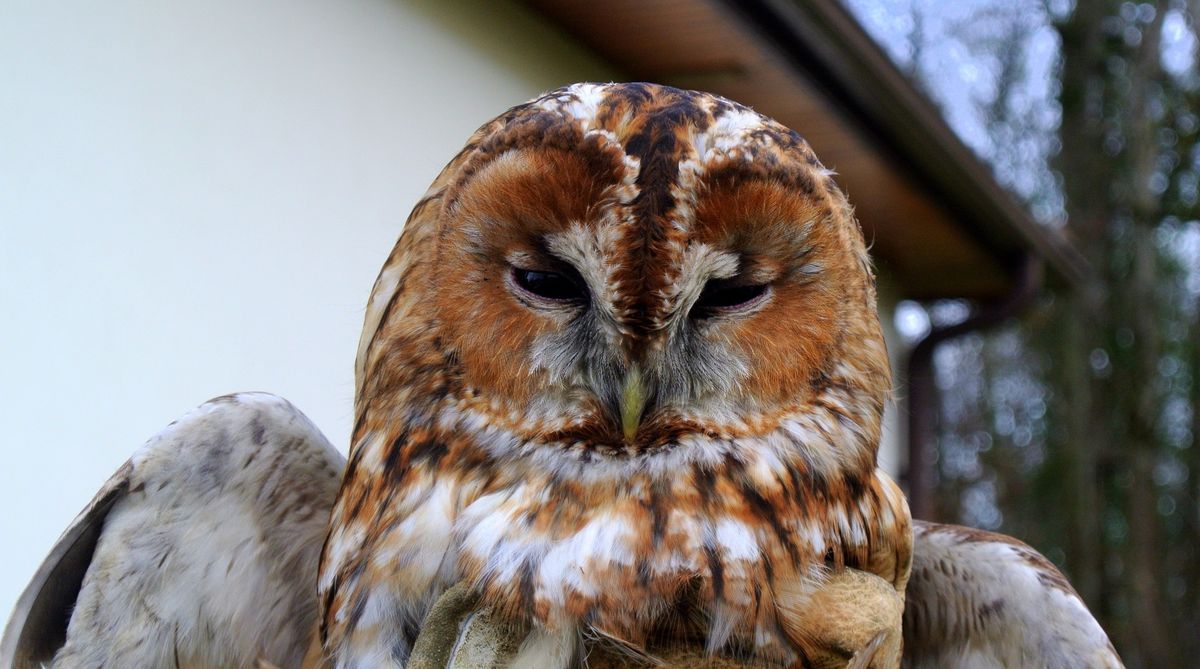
(922, 390)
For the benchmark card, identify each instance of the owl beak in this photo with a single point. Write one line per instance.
(633, 402)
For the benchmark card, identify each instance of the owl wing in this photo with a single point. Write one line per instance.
(979, 599)
(201, 550)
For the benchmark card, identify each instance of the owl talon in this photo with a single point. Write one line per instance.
(458, 634)
(863, 658)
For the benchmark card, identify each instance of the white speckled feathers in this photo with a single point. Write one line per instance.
(976, 600)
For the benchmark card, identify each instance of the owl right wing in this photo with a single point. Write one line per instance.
(201, 551)
(977, 599)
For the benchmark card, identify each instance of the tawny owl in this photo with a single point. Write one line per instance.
(622, 371)
(621, 381)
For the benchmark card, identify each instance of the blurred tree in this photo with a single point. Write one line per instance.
(1078, 429)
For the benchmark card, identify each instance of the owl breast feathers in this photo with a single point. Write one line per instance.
(623, 372)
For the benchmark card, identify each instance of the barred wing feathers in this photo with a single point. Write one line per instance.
(201, 551)
(978, 600)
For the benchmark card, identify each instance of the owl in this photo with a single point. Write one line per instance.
(622, 372)
(618, 395)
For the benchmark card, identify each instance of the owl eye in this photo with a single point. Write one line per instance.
(550, 285)
(723, 295)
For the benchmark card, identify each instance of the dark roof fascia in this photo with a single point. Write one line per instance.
(828, 46)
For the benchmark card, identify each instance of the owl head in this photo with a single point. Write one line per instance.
(615, 269)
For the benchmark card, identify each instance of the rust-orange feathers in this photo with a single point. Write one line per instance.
(623, 370)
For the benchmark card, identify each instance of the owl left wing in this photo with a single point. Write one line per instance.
(980, 599)
(200, 551)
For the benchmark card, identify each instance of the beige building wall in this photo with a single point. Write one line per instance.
(195, 198)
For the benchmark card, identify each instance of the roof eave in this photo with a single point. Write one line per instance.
(824, 41)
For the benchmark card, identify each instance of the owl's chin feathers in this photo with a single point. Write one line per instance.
(565, 535)
(830, 437)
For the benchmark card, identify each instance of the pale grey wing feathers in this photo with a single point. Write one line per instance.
(981, 600)
(201, 551)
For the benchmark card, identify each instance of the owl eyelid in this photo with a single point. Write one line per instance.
(729, 297)
(547, 286)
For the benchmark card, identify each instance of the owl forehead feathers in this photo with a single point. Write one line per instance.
(651, 152)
